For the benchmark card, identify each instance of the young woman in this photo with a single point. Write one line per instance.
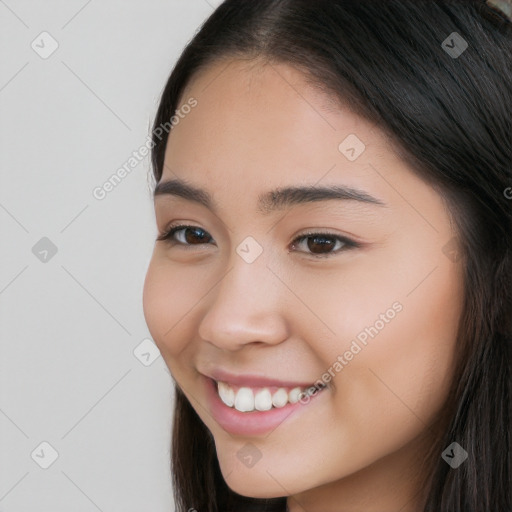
(331, 283)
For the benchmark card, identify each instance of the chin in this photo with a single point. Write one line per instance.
(251, 486)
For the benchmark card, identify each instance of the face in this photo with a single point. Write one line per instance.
(354, 288)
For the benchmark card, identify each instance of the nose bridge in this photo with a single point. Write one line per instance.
(244, 306)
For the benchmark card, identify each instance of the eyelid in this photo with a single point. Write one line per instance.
(349, 243)
(171, 229)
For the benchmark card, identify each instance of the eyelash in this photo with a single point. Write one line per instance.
(348, 243)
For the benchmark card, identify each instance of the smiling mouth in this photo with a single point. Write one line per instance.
(249, 399)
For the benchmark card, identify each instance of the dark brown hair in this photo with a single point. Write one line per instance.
(450, 119)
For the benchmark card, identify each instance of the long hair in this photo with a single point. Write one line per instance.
(449, 117)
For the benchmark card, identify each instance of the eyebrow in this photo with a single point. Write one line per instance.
(273, 200)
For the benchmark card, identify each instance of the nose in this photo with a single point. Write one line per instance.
(246, 307)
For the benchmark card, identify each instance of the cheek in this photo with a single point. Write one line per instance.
(399, 379)
(402, 302)
(171, 293)
(395, 321)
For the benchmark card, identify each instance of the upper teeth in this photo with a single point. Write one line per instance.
(246, 399)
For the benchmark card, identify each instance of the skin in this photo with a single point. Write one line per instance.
(360, 444)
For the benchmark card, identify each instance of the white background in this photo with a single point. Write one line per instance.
(69, 325)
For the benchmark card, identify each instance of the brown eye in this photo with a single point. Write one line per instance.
(320, 243)
(315, 244)
(323, 244)
(194, 235)
(187, 235)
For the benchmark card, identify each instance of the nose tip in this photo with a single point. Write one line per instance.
(232, 329)
(244, 308)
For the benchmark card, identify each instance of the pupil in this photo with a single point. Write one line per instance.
(320, 242)
(195, 236)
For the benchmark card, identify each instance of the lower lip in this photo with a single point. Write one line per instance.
(249, 423)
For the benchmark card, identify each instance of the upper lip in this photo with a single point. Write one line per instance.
(252, 380)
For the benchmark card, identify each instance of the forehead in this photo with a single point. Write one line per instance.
(260, 127)
(261, 113)
(259, 98)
